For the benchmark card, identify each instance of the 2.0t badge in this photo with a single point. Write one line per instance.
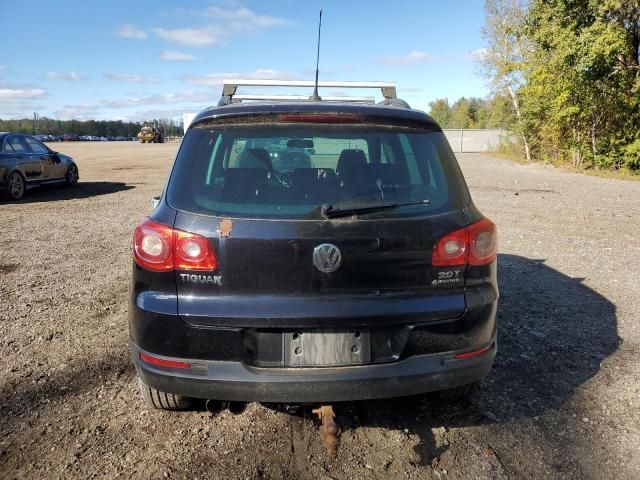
(327, 257)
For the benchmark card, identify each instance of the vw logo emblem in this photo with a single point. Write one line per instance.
(327, 257)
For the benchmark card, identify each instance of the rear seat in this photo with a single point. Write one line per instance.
(241, 185)
(314, 184)
(351, 168)
(389, 174)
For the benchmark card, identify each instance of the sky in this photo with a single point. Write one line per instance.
(137, 60)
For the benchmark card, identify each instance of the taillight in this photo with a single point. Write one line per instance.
(161, 249)
(474, 245)
(193, 252)
(483, 237)
(153, 246)
(451, 249)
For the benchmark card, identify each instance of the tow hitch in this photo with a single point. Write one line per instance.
(329, 430)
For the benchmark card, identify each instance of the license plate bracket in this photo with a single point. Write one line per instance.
(327, 348)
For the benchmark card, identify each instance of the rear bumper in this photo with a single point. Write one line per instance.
(412, 327)
(236, 381)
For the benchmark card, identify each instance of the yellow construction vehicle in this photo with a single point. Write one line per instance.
(151, 134)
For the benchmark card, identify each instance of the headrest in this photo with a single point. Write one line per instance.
(255, 158)
(351, 161)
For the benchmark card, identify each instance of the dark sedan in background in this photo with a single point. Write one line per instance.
(26, 162)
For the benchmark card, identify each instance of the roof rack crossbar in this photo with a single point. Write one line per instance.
(339, 98)
(230, 87)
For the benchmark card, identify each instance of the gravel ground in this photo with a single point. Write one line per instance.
(563, 400)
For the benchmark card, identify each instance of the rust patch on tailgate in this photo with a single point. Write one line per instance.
(226, 224)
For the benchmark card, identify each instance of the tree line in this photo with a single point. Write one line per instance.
(473, 112)
(571, 72)
(98, 128)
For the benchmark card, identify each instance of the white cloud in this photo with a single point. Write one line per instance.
(409, 59)
(131, 78)
(479, 54)
(131, 31)
(69, 76)
(244, 19)
(78, 112)
(170, 56)
(215, 79)
(7, 93)
(19, 108)
(157, 99)
(17, 101)
(192, 37)
(237, 18)
(159, 113)
(223, 22)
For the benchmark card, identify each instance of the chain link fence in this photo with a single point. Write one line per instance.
(468, 140)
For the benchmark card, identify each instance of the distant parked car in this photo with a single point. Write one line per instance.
(25, 163)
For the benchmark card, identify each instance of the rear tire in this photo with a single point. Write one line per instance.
(161, 400)
(15, 186)
(458, 393)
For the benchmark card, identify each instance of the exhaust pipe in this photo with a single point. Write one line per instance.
(214, 406)
(237, 408)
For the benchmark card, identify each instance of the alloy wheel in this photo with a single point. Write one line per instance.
(72, 175)
(16, 186)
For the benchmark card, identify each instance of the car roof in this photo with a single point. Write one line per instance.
(4, 134)
(380, 110)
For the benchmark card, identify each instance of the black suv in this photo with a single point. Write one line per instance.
(312, 252)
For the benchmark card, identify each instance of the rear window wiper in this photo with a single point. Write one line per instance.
(329, 211)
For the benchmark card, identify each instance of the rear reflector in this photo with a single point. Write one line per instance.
(473, 353)
(319, 118)
(163, 363)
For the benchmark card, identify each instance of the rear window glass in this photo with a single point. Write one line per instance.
(290, 171)
(15, 145)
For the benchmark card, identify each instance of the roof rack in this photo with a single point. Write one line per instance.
(230, 87)
(240, 98)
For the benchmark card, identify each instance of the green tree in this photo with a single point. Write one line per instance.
(461, 114)
(582, 90)
(441, 112)
(494, 112)
(507, 49)
(100, 128)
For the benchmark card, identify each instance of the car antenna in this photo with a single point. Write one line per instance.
(315, 97)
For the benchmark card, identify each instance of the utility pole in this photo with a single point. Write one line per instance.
(36, 117)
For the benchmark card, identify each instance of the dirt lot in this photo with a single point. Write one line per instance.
(562, 402)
